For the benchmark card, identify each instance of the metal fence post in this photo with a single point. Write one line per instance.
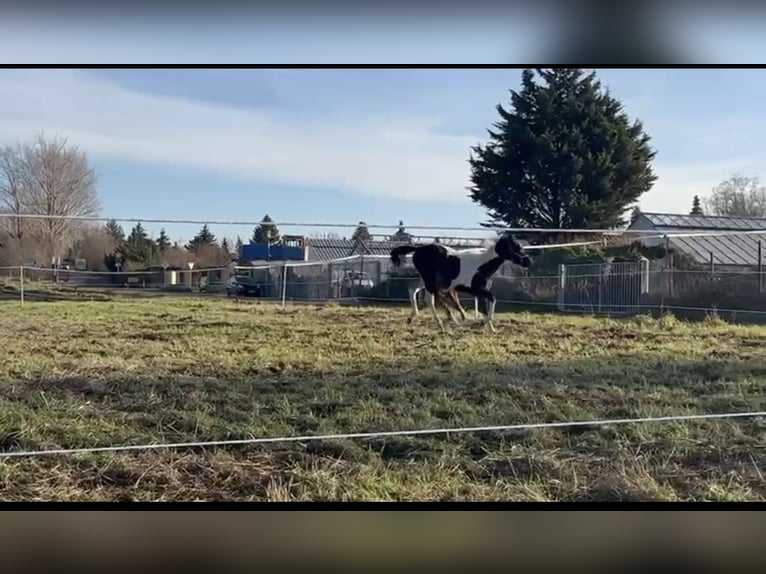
(284, 284)
(760, 266)
(644, 275)
(21, 283)
(562, 285)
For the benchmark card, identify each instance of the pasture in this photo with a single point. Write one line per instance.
(84, 374)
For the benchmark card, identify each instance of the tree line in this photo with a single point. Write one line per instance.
(138, 250)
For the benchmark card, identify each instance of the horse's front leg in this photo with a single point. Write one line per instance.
(436, 315)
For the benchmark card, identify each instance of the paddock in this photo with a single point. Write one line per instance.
(145, 371)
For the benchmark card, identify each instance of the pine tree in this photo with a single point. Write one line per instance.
(564, 156)
(138, 247)
(696, 206)
(634, 215)
(401, 235)
(266, 232)
(204, 238)
(361, 236)
(163, 241)
(238, 245)
(115, 231)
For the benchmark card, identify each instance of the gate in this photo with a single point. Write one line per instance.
(603, 288)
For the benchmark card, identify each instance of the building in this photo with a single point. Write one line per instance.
(733, 251)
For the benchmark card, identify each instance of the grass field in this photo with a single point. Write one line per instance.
(82, 374)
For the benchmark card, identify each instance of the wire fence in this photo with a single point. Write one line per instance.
(379, 434)
(592, 288)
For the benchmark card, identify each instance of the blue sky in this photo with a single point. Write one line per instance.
(349, 145)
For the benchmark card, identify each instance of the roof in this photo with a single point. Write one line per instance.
(330, 249)
(673, 220)
(730, 249)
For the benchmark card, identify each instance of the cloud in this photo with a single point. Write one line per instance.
(395, 156)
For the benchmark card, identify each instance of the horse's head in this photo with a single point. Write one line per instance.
(509, 249)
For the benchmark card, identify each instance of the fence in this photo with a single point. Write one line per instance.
(612, 288)
(596, 288)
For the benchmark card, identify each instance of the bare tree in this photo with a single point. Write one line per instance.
(738, 197)
(175, 256)
(94, 243)
(47, 177)
(11, 201)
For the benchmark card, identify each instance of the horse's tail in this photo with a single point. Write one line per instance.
(399, 252)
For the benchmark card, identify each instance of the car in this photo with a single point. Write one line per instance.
(242, 286)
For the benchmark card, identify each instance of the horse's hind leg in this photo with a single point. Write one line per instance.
(449, 311)
(456, 300)
(441, 298)
(414, 301)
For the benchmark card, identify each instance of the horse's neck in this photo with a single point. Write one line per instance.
(476, 259)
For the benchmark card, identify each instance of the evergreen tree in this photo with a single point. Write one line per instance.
(696, 206)
(163, 241)
(564, 156)
(204, 238)
(266, 232)
(634, 214)
(401, 234)
(115, 231)
(361, 236)
(138, 247)
(238, 245)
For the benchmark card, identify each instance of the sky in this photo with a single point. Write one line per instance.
(335, 145)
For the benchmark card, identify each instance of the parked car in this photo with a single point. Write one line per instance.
(242, 286)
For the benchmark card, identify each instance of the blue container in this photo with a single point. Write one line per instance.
(262, 252)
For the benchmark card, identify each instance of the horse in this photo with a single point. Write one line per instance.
(446, 272)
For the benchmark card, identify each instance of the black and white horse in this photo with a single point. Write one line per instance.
(446, 272)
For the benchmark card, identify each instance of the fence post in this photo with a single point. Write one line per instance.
(562, 285)
(644, 275)
(712, 263)
(600, 285)
(21, 283)
(284, 284)
(760, 266)
(671, 281)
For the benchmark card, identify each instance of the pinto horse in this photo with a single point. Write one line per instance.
(446, 272)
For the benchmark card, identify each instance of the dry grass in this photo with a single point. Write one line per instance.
(79, 374)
